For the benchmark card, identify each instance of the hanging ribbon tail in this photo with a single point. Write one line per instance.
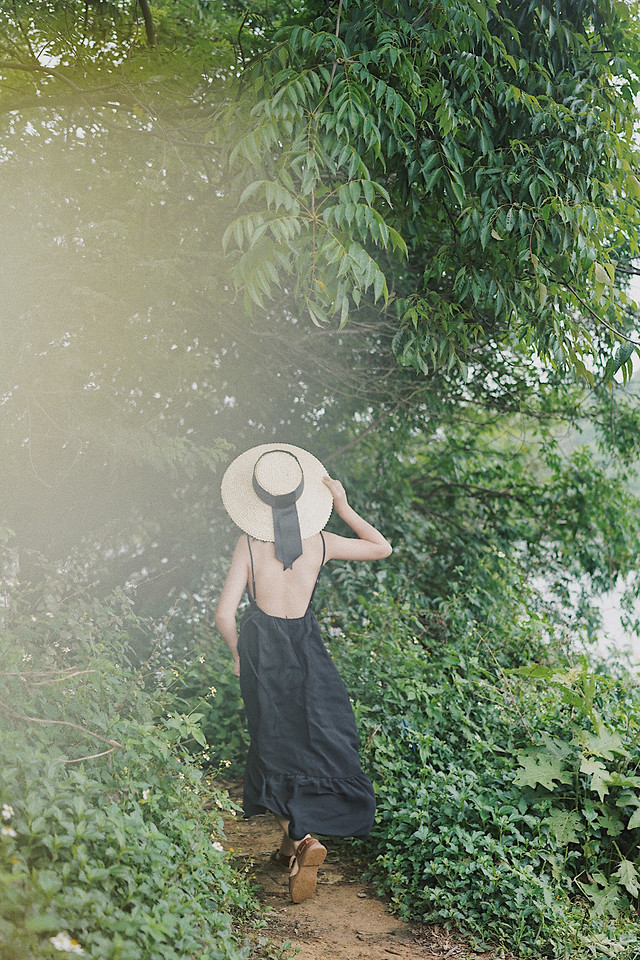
(286, 528)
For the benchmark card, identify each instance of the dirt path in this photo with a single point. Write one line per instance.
(344, 920)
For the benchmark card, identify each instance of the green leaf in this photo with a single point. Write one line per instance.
(542, 293)
(42, 923)
(628, 876)
(599, 776)
(567, 826)
(603, 895)
(539, 769)
(604, 273)
(604, 743)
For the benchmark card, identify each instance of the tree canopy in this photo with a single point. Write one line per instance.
(466, 169)
(429, 218)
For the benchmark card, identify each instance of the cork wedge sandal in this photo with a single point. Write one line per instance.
(284, 860)
(309, 856)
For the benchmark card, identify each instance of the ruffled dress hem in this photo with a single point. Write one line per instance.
(330, 806)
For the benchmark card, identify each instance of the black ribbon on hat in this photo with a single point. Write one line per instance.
(286, 525)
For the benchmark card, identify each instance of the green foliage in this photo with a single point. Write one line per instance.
(581, 778)
(473, 162)
(453, 743)
(459, 179)
(112, 836)
(205, 682)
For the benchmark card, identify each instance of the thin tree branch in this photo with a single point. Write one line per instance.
(596, 316)
(507, 686)
(240, 29)
(335, 62)
(63, 675)
(373, 426)
(38, 68)
(114, 744)
(480, 493)
(91, 756)
(149, 26)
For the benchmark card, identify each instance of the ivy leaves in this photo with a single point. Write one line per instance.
(586, 758)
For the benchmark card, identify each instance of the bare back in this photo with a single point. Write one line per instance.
(285, 593)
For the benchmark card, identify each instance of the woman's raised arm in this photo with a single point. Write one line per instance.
(370, 543)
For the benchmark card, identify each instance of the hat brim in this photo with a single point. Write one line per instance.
(255, 517)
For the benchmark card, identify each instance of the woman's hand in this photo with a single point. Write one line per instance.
(337, 492)
(370, 543)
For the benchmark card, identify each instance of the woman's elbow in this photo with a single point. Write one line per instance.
(222, 620)
(385, 550)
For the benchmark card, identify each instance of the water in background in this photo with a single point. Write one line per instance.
(615, 640)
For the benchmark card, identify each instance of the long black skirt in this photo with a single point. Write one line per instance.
(303, 763)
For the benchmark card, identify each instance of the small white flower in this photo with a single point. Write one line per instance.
(206, 756)
(7, 811)
(7, 832)
(213, 691)
(146, 794)
(66, 649)
(26, 657)
(218, 846)
(227, 763)
(62, 941)
(201, 659)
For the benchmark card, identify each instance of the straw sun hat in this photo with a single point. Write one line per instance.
(274, 489)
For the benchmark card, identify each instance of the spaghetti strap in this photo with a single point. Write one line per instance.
(324, 554)
(253, 573)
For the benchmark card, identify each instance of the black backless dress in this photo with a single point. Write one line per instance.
(303, 763)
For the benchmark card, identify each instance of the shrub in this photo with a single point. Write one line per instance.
(112, 836)
(461, 837)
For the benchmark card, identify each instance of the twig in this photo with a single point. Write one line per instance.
(596, 316)
(66, 676)
(363, 434)
(335, 62)
(39, 68)
(91, 756)
(63, 723)
(63, 674)
(240, 29)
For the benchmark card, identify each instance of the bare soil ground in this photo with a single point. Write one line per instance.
(344, 920)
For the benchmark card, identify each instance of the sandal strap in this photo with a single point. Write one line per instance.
(284, 859)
